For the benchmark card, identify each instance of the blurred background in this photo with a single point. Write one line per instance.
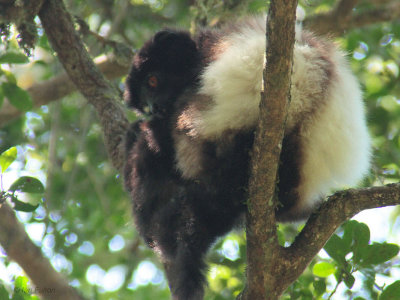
(83, 220)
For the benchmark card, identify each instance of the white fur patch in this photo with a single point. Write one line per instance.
(336, 143)
(334, 133)
(234, 82)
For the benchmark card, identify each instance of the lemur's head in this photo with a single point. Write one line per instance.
(162, 69)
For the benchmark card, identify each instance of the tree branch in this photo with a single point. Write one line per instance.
(49, 284)
(386, 13)
(323, 223)
(271, 268)
(13, 11)
(60, 86)
(344, 8)
(91, 83)
(339, 20)
(71, 52)
(262, 241)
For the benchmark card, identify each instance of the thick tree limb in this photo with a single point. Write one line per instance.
(60, 86)
(13, 11)
(344, 7)
(49, 284)
(22, 14)
(339, 208)
(72, 54)
(386, 13)
(91, 83)
(262, 240)
(270, 267)
(340, 19)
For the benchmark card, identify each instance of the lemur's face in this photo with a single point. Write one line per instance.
(163, 68)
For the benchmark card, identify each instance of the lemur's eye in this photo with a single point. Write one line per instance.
(152, 81)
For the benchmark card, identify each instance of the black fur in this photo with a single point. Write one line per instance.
(172, 57)
(180, 218)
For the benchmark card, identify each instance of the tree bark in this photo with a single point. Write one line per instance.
(72, 54)
(342, 18)
(13, 238)
(262, 239)
(60, 86)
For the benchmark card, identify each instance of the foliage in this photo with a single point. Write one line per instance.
(8, 88)
(82, 219)
(24, 184)
(21, 291)
(352, 253)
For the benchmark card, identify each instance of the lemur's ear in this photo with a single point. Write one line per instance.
(178, 48)
(173, 39)
(164, 36)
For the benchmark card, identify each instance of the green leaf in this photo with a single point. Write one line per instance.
(17, 96)
(22, 283)
(20, 288)
(323, 269)
(336, 248)
(13, 58)
(27, 184)
(378, 253)
(361, 237)
(3, 293)
(391, 292)
(356, 231)
(9, 75)
(349, 280)
(23, 206)
(348, 232)
(319, 286)
(361, 234)
(7, 158)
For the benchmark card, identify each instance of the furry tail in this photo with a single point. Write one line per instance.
(185, 274)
